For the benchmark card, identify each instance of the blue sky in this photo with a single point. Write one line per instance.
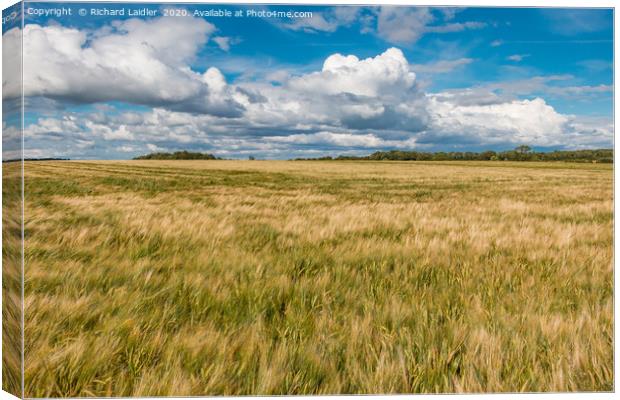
(347, 80)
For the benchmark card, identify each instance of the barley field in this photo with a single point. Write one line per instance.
(11, 277)
(283, 277)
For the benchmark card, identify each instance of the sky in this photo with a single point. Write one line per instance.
(113, 81)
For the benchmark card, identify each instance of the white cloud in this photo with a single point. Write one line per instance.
(331, 138)
(394, 24)
(496, 43)
(128, 149)
(11, 63)
(384, 74)
(405, 25)
(442, 66)
(402, 24)
(11, 142)
(517, 57)
(526, 120)
(225, 42)
(449, 12)
(121, 133)
(279, 76)
(67, 124)
(518, 121)
(137, 61)
(350, 103)
(153, 147)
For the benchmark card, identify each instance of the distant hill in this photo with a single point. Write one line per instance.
(177, 155)
(521, 153)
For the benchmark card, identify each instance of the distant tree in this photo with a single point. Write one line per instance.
(523, 149)
(178, 155)
(487, 155)
(251, 158)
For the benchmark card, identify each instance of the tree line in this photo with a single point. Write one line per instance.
(177, 155)
(521, 153)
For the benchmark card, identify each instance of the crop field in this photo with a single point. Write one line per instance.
(11, 277)
(310, 277)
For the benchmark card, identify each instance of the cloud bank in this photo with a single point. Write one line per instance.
(350, 105)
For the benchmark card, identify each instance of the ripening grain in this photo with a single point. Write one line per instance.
(272, 277)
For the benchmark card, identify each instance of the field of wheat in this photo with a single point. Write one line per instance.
(11, 277)
(285, 277)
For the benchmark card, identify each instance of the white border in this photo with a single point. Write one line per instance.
(460, 3)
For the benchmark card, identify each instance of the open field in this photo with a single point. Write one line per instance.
(276, 277)
(11, 278)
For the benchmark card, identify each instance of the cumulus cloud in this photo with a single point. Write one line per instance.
(360, 103)
(386, 73)
(450, 120)
(349, 105)
(331, 139)
(11, 141)
(374, 93)
(136, 61)
(523, 120)
(11, 63)
(153, 147)
(517, 121)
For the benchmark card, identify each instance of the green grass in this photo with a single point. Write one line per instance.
(238, 277)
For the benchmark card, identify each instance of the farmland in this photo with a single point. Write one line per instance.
(316, 277)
